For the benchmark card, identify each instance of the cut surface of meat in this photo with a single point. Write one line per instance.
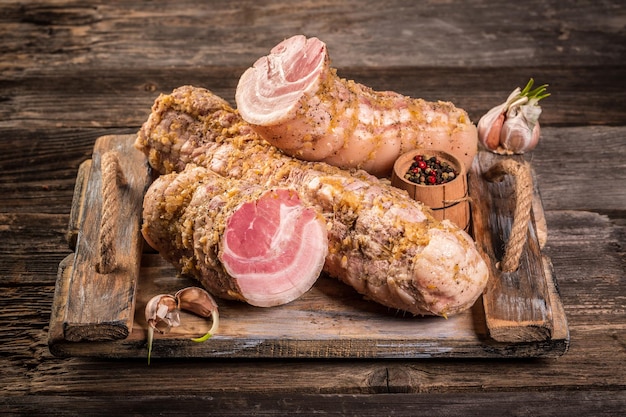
(285, 79)
(270, 243)
(264, 247)
(297, 102)
(380, 241)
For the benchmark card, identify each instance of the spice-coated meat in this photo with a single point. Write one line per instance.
(384, 244)
(240, 241)
(297, 102)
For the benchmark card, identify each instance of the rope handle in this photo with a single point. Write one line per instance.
(112, 179)
(523, 186)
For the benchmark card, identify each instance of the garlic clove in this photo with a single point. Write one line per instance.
(165, 309)
(200, 302)
(489, 127)
(196, 300)
(162, 308)
(531, 113)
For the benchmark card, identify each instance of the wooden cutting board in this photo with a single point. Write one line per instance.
(98, 310)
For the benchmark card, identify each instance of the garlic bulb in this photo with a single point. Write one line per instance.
(513, 126)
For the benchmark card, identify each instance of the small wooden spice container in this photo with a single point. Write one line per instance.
(448, 200)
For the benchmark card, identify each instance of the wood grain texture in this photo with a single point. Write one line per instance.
(409, 405)
(119, 57)
(517, 303)
(363, 34)
(98, 303)
(122, 98)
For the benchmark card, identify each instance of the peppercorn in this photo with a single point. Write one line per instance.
(427, 170)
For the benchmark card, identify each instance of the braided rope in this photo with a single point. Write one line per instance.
(523, 186)
(110, 178)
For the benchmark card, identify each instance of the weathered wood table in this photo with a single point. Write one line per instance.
(71, 72)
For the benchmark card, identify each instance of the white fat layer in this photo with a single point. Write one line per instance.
(268, 93)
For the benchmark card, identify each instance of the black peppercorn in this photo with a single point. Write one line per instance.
(427, 170)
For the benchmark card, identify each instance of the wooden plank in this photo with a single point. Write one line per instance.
(562, 161)
(566, 156)
(433, 33)
(560, 329)
(61, 294)
(517, 303)
(59, 94)
(329, 321)
(549, 402)
(101, 300)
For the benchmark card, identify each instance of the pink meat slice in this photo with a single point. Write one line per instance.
(241, 241)
(297, 102)
(270, 244)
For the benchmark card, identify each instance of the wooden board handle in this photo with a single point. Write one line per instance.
(516, 301)
(108, 248)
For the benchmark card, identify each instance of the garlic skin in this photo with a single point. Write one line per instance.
(513, 126)
(162, 308)
(196, 300)
(520, 133)
(490, 126)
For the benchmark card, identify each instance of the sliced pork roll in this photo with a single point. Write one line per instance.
(381, 242)
(241, 241)
(295, 100)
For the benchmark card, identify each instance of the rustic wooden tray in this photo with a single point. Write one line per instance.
(101, 314)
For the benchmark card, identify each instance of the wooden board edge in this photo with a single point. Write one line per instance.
(78, 199)
(56, 335)
(539, 214)
(560, 331)
(218, 348)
